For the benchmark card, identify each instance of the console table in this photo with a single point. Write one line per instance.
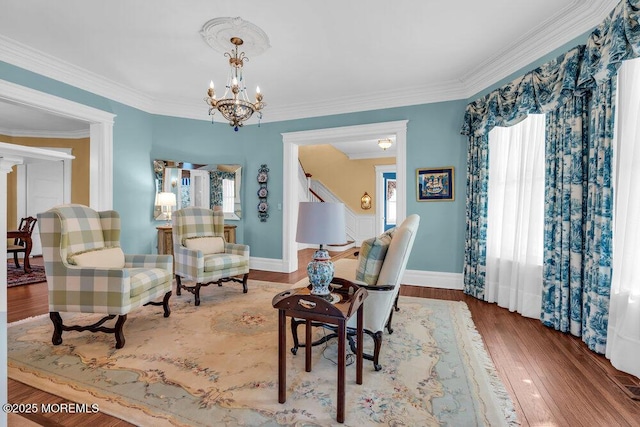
(165, 238)
(299, 303)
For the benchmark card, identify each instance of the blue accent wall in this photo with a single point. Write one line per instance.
(433, 139)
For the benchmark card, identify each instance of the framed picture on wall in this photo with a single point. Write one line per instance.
(435, 184)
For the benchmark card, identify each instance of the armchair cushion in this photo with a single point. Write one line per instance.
(208, 245)
(371, 258)
(100, 258)
(224, 261)
(83, 228)
(144, 279)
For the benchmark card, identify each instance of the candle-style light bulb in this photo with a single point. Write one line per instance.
(258, 89)
(211, 84)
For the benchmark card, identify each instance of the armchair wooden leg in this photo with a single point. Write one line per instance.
(377, 344)
(395, 304)
(388, 325)
(15, 259)
(294, 334)
(57, 327)
(164, 303)
(178, 285)
(118, 330)
(244, 283)
(196, 292)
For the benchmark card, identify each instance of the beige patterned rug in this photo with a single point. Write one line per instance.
(216, 365)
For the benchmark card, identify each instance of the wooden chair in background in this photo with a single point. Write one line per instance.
(22, 241)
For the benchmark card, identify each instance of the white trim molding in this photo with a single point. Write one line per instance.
(578, 17)
(433, 279)
(101, 135)
(11, 155)
(268, 264)
(292, 140)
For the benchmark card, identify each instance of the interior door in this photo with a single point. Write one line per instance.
(44, 189)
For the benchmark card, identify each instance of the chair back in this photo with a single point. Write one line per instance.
(26, 226)
(395, 262)
(196, 222)
(70, 229)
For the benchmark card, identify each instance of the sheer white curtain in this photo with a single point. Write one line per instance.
(623, 335)
(516, 216)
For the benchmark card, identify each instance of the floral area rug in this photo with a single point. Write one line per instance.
(17, 276)
(217, 364)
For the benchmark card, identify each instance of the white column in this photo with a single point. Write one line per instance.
(6, 163)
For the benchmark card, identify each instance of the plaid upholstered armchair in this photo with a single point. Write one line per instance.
(202, 256)
(88, 272)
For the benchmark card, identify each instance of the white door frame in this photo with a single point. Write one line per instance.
(100, 134)
(292, 140)
(380, 194)
(22, 181)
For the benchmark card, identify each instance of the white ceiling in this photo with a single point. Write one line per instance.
(329, 57)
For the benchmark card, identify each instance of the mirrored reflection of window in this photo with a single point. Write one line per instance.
(215, 186)
(228, 196)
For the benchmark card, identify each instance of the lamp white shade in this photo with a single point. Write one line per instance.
(165, 199)
(321, 223)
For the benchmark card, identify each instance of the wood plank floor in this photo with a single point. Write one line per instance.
(553, 379)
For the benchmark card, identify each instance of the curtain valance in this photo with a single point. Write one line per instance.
(538, 91)
(616, 39)
(544, 89)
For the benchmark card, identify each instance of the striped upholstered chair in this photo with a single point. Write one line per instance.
(88, 272)
(202, 256)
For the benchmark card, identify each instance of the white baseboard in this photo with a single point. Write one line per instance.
(433, 279)
(268, 264)
(430, 279)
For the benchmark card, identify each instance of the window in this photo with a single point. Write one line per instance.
(515, 222)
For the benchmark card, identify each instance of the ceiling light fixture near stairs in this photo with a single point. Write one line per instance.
(384, 143)
(222, 34)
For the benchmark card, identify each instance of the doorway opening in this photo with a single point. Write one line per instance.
(291, 142)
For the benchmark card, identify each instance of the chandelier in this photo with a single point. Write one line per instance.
(234, 104)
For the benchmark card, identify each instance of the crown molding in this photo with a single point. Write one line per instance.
(39, 62)
(572, 21)
(577, 18)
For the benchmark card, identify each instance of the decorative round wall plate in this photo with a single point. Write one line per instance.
(263, 206)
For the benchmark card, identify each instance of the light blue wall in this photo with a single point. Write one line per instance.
(433, 139)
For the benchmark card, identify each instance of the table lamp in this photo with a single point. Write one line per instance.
(321, 223)
(166, 201)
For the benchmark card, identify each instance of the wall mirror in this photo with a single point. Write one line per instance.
(214, 186)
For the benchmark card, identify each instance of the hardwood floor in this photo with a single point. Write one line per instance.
(553, 379)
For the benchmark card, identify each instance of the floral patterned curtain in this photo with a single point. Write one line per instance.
(539, 91)
(565, 189)
(475, 254)
(577, 92)
(216, 185)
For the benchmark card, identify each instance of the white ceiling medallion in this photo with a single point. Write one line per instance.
(218, 31)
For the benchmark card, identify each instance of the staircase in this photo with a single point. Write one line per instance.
(358, 227)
